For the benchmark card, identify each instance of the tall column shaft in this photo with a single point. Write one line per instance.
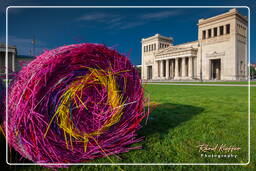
(13, 62)
(161, 69)
(176, 67)
(171, 68)
(158, 69)
(190, 67)
(183, 66)
(167, 69)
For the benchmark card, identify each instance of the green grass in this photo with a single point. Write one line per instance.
(185, 117)
(6, 80)
(217, 82)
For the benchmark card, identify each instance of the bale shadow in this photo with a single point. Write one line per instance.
(163, 118)
(167, 116)
(14, 157)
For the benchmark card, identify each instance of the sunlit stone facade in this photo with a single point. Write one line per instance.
(220, 53)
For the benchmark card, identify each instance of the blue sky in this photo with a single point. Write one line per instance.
(118, 28)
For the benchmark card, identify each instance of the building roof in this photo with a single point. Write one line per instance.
(192, 42)
(224, 15)
(2, 45)
(11, 49)
(25, 56)
(159, 36)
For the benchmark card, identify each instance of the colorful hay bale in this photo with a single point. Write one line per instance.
(74, 104)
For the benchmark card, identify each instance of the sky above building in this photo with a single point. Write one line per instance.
(119, 28)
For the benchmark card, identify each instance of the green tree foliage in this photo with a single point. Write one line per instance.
(252, 71)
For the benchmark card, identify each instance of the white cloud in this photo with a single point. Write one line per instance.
(111, 21)
(131, 25)
(93, 17)
(161, 14)
(115, 21)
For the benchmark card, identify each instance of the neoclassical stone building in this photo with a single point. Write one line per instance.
(220, 53)
(15, 62)
(12, 51)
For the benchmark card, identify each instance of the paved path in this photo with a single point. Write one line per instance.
(224, 85)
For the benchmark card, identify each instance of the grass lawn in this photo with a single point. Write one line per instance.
(217, 82)
(185, 117)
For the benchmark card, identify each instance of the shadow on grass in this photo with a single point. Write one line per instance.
(164, 117)
(3, 165)
(167, 116)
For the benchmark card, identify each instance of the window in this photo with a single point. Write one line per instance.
(204, 34)
(215, 32)
(144, 48)
(221, 30)
(209, 33)
(227, 28)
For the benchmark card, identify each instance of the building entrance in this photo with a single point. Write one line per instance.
(215, 69)
(149, 72)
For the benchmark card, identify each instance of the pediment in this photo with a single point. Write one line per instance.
(173, 49)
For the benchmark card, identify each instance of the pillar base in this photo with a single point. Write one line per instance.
(183, 78)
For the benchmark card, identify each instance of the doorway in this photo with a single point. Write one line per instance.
(215, 69)
(149, 72)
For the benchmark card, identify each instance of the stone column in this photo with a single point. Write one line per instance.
(167, 69)
(161, 69)
(211, 75)
(217, 74)
(183, 67)
(190, 67)
(176, 67)
(158, 69)
(171, 69)
(13, 62)
(164, 69)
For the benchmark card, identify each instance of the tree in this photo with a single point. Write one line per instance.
(252, 72)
